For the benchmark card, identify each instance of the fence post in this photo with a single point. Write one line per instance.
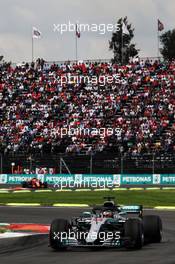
(121, 165)
(30, 163)
(153, 169)
(91, 163)
(1, 167)
(60, 165)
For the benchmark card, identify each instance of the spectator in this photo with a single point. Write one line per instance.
(35, 107)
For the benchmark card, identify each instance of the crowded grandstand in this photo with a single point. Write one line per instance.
(139, 105)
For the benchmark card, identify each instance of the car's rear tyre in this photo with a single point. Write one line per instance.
(45, 185)
(24, 184)
(57, 229)
(152, 225)
(133, 229)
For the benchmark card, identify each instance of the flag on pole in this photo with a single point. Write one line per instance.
(77, 32)
(36, 33)
(160, 25)
(124, 29)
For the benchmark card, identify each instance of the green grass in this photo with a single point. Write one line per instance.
(149, 198)
(2, 231)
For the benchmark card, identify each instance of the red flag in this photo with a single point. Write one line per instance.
(77, 32)
(160, 25)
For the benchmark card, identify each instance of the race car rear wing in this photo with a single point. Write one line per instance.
(132, 209)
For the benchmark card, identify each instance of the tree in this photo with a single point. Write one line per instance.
(121, 44)
(167, 40)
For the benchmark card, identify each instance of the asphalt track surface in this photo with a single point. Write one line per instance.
(35, 249)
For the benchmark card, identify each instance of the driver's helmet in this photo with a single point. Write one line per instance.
(107, 214)
(34, 179)
(86, 215)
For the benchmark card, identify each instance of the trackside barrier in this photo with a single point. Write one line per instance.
(93, 181)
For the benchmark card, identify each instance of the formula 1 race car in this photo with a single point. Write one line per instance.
(34, 183)
(106, 226)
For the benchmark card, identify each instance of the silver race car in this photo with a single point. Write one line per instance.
(106, 226)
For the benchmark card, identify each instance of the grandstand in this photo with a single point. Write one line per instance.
(41, 118)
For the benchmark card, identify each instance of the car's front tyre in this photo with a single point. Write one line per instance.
(58, 231)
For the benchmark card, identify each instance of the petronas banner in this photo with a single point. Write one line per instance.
(75, 181)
